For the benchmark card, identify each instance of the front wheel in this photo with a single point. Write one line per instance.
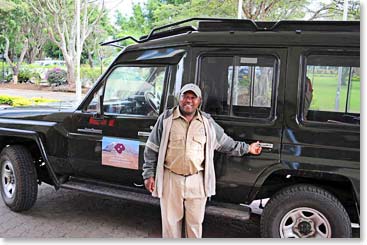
(18, 178)
(305, 211)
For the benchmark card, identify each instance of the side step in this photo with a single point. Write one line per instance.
(224, 210)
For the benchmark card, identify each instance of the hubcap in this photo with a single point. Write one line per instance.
(304, 223)
(8, 179)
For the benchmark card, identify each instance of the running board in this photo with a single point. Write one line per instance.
(221, 210)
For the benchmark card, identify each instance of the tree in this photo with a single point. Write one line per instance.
(337, 8)
(163, 13)
(136, 25)
(274, 9)
(69, 23)
(101, 32)
(14, 34)
(36, 39)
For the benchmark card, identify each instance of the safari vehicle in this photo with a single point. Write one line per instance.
(293, 85)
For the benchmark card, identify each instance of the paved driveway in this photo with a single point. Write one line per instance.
(72, 214)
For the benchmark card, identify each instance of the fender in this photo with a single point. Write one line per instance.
(279, 166)
(261, 179)
(27, 134)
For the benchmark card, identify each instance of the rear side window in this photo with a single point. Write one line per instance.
(331, 88)
(240, 86)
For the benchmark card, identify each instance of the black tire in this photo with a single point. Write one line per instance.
(304, 211)
(18, 178)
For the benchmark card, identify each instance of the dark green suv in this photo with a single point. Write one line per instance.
(293, 85)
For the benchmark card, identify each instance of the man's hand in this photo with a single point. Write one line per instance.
(149, 184)
(255, 148)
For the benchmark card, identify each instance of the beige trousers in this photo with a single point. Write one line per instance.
(183, 199)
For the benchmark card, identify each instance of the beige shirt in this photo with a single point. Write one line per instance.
(186, 145)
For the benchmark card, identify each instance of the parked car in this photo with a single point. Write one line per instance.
(293, 85)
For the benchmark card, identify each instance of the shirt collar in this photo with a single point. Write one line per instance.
(177, 114)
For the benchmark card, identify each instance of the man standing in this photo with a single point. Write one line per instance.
(178, 162)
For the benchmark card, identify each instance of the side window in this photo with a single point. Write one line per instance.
(135, 90)
(239, 86)
(331, 88)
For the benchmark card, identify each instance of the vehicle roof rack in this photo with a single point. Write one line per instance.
(223, 24)
(283, 25)
(174, 31)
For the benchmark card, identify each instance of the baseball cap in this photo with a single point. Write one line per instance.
(191, 87)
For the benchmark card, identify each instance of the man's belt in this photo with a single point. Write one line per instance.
(184, 175)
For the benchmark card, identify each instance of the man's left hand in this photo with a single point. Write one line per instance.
(255, 148)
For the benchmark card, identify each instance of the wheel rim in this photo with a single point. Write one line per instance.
(8, 179)
(304, 223)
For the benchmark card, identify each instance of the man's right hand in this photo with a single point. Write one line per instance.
(149, 184)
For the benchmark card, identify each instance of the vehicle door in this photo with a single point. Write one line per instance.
(109, 146)
(242, 92)
(322, 132)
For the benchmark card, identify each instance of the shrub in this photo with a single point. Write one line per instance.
(21, 101)
(25, 76)
(89, 75)
(56, 76)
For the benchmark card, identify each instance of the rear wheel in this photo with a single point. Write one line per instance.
(18, 178)
(305, 211)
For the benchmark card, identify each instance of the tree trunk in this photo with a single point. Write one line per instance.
(70, 74)
(15, 70)
(90, 59)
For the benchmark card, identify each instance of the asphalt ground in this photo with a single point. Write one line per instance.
(73, 214)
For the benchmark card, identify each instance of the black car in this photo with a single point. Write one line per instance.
(293, 85)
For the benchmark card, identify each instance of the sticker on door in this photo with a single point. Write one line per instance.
(120, 153)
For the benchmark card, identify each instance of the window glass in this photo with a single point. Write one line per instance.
(332, 89)
(94, 104)
(238, 85)
(134, 90)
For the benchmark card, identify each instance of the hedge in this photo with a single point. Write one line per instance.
(21, 101)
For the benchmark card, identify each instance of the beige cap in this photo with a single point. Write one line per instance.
(191, 87)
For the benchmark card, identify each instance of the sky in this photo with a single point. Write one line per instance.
(125, 6)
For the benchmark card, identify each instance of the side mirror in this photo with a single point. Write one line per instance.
(99, 114)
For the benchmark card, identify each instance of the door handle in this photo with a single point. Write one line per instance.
(144, 134)
(266, 145)
(138, 185)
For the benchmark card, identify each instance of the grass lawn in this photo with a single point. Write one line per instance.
(324, 93)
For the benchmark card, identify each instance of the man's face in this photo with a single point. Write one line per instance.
(189, 102)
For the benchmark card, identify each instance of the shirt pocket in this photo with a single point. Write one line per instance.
(176, 141)
(198, 142)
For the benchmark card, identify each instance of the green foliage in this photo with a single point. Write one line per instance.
(89, 75)
(13, 25)
(354, 9)
(56, 76)
(167, 13)
(51, 50)
(21, 101)
(26, 75)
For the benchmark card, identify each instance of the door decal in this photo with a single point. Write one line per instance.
(120, 153)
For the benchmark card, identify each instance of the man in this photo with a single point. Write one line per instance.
(178, 162)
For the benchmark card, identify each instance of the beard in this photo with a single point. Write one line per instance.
(187, 110)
